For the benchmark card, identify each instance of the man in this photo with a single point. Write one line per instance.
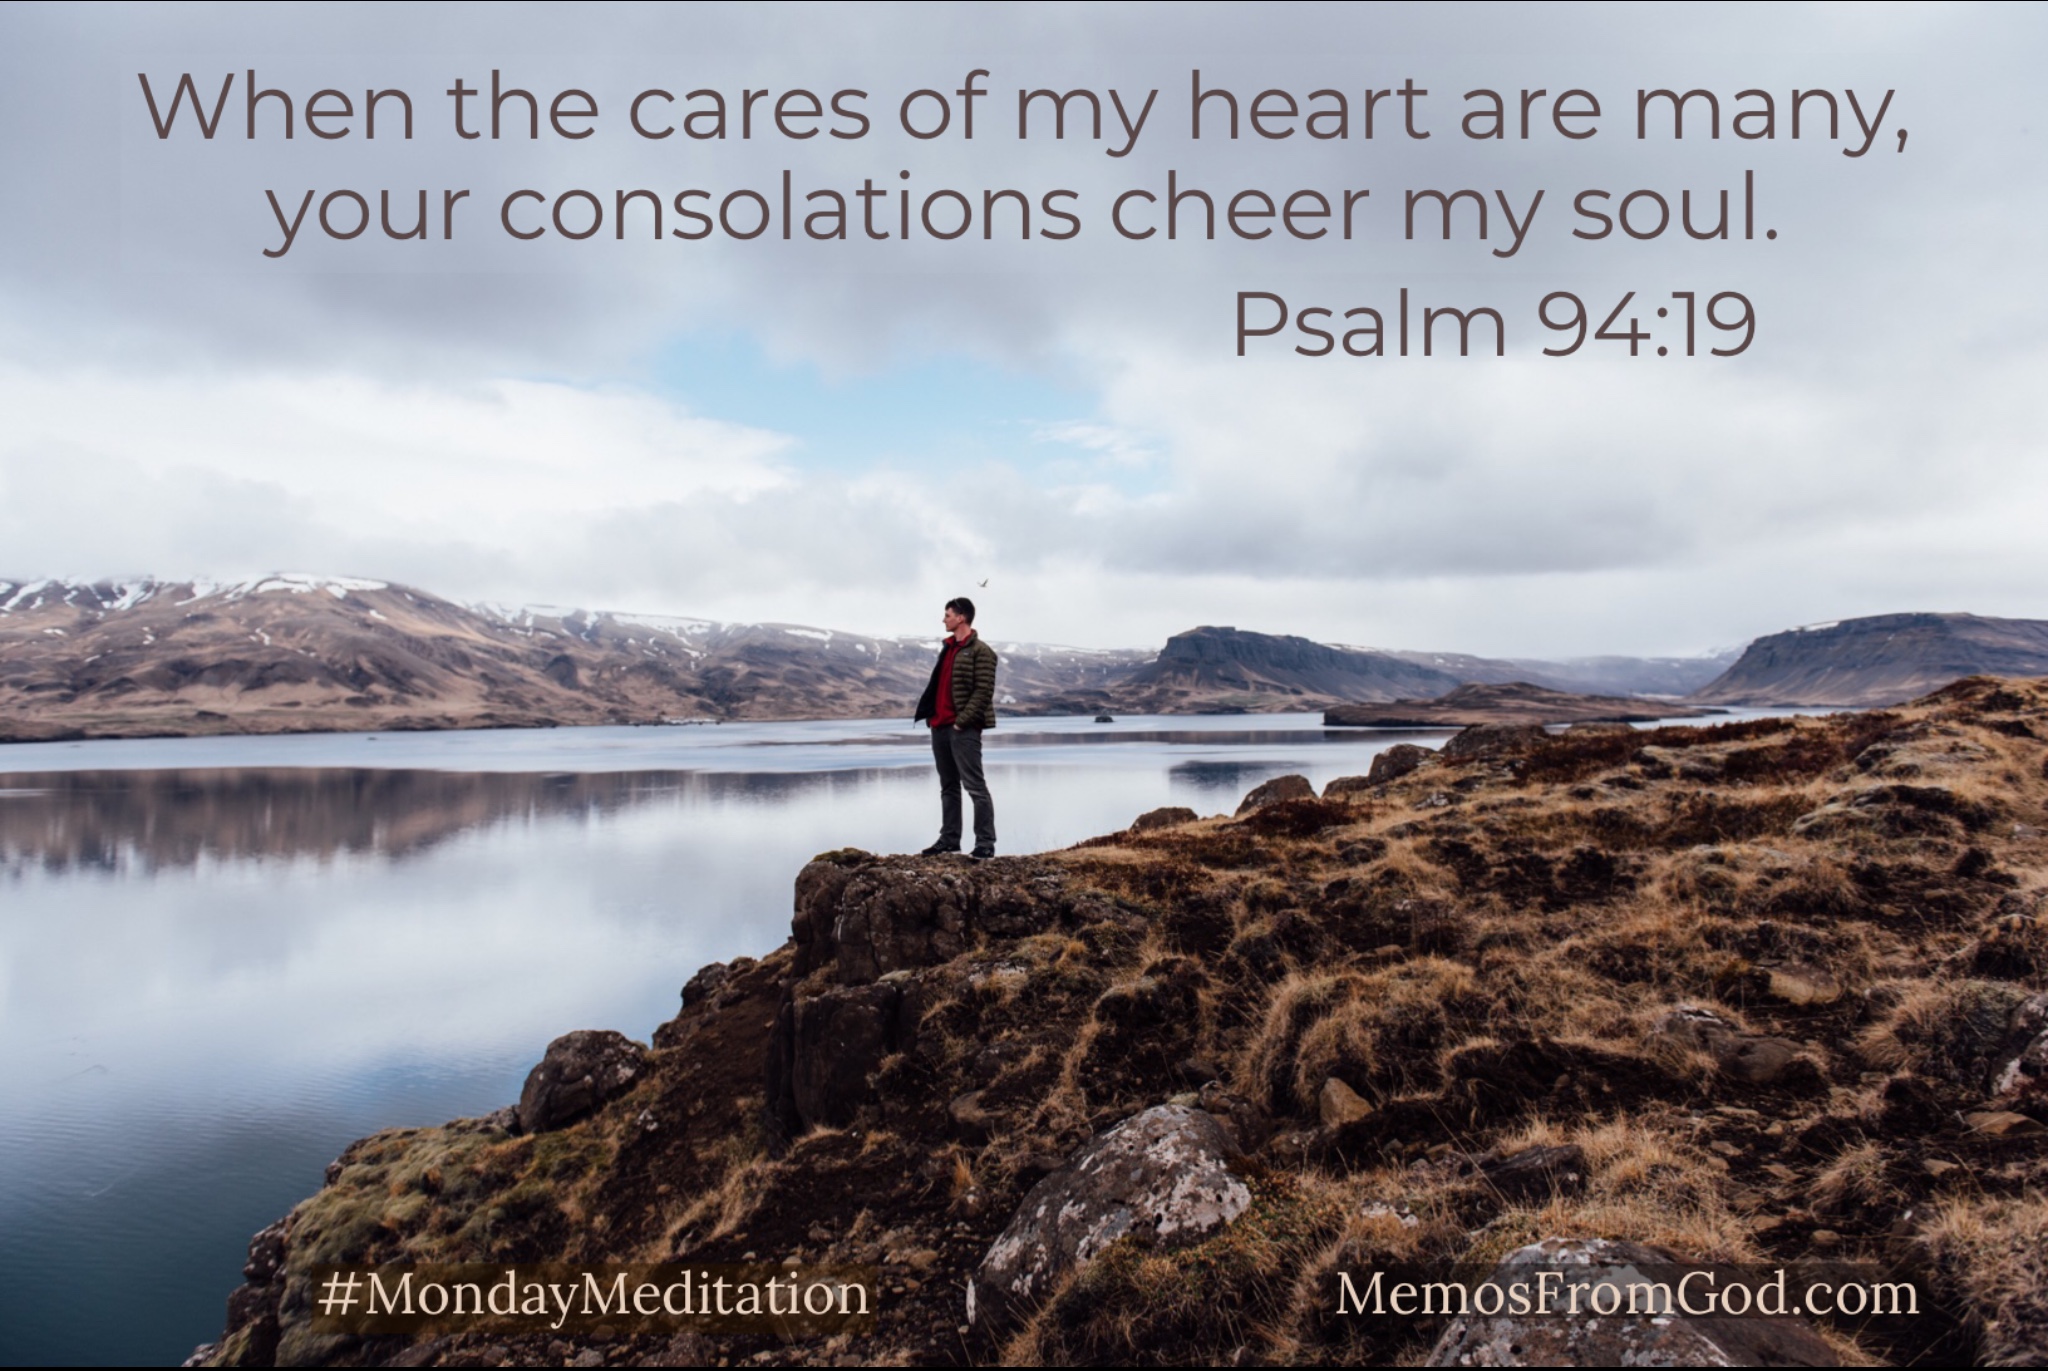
(960, 702)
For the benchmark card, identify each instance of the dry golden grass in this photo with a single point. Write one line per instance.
(1991, 1257)
(1854, 1180)
(725, 1206)
(1647, 1184)
(1942, 1027)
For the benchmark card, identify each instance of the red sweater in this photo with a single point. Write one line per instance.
(942, 714)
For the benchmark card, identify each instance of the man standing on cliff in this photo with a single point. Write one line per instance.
(960, 702)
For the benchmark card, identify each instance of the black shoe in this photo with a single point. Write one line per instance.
(940, 849)
(982, 854)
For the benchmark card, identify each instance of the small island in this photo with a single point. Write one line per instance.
(1516, 702)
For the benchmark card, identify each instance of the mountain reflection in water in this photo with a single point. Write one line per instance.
(147, 821)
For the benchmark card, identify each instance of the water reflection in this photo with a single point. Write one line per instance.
(1229, 778)
(146, 821)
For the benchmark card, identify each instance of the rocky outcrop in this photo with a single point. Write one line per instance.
(1397, 761)
(1598, 1271)
(250, 1336)
(826, 1046)
(865, 916)
(867, 924)
(1276, 791)
(580, 1072)
(1488, 740)
(1436, 1024)
(1162, 1177)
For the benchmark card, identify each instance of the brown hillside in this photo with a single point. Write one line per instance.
(1759, 992)
(1879, 660)
(294, 654)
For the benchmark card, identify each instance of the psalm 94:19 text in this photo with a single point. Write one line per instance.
(1684, 323)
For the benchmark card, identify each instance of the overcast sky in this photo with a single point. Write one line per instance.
(848, 432)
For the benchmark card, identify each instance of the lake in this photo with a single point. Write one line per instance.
(221, 960)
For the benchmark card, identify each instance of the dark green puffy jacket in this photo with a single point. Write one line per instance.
(974, 686)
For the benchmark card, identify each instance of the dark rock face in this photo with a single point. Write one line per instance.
(251, 1332)
(818, 888)
(1163, 1175)
(705, 983)
(1616, 1339)
(899, 920)
(1276, 790)
(865, 916)
(581, 1071)
(1397, 761)
(837, 1040)
(875, 922)
(1485, 740)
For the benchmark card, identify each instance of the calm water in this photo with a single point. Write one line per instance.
(223, 959)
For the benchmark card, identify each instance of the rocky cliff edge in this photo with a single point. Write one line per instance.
(1761, 992)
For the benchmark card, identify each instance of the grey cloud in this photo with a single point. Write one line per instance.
(1886, 412)
(590, 305)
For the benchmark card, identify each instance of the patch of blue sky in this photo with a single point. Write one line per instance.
(930, 414)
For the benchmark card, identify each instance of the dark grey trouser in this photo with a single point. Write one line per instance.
(958, 753)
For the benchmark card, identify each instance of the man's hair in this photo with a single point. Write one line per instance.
(963, 607)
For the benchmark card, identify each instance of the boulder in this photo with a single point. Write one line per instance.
(1346, 787)
(1396, 762)
(1274, 791)
(1339, 1104)
(1170, 816)
(1487, 740)
(1615, 1339)
(1162, 1176)
(2023, 1076)
(580, 1072)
